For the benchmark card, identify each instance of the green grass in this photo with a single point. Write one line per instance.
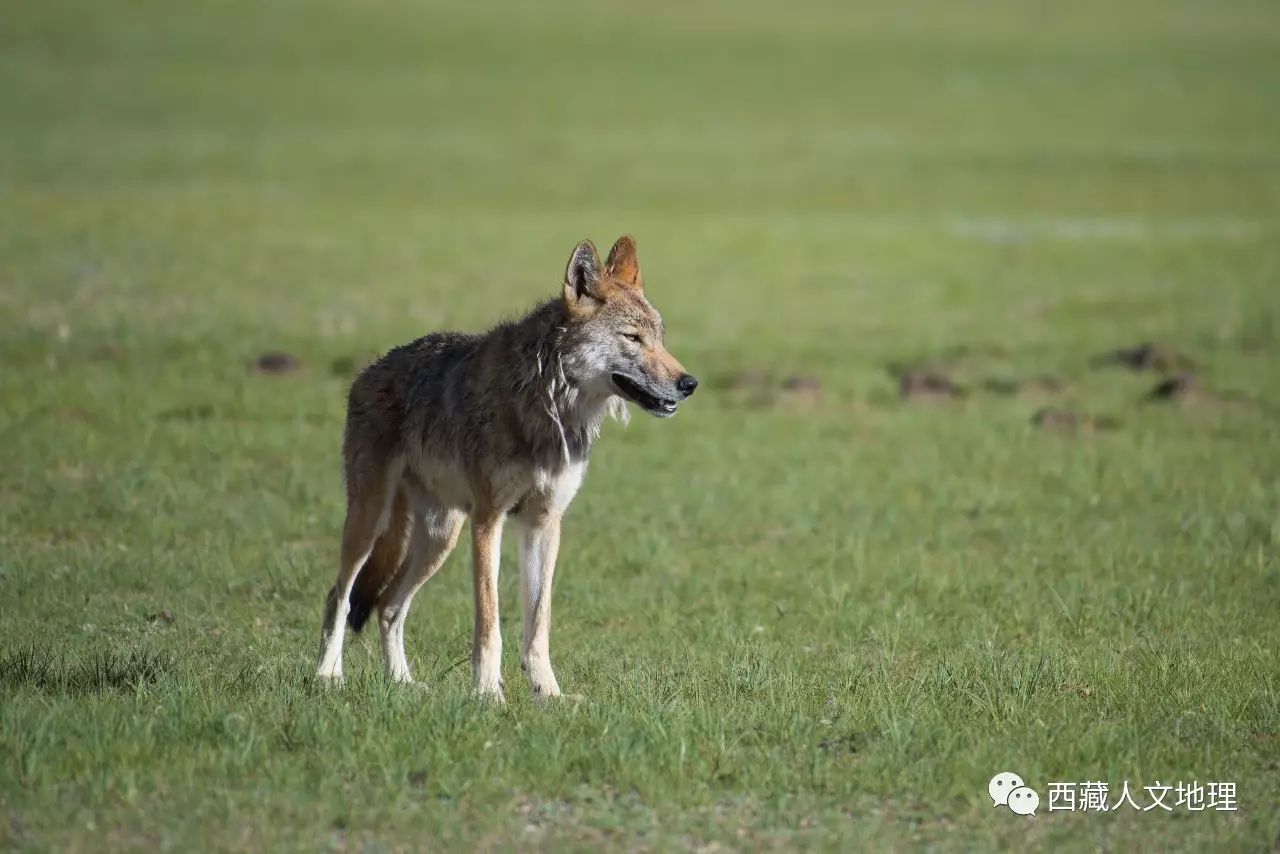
(793, 625)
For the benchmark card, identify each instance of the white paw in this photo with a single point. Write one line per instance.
(544, 687)
(408, 681)
(329, 677)
(486, 673)
(491, 692)
(543, 695)
(488, 683)
(542, 679)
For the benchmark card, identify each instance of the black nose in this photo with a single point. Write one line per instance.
(687, 384)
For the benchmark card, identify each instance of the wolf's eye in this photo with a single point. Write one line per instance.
(631, 336)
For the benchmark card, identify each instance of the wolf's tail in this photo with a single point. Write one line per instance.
(380, 569)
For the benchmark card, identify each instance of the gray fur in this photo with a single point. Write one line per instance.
(490, 425)
(516, 394)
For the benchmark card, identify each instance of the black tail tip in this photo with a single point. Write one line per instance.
(359, 613)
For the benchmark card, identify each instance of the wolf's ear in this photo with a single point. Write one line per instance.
(582, 279)
(623, 265)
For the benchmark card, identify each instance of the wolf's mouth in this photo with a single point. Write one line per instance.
(631, 390)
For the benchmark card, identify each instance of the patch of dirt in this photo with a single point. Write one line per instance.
(759, 387)
(1187, 389)
(1180, 387)
(952, 372)
(752, 378)
(800, 382)
(801, 392)
(277, 362)
(1066, 421)
(928, 386)
(1147, 356)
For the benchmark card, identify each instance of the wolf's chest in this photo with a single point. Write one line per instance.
(507, 485)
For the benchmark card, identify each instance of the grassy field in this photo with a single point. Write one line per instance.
(815, 617)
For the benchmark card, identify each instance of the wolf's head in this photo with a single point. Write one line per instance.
(614, 336)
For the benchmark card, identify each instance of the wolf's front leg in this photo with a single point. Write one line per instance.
(486, 645)
(539, 543)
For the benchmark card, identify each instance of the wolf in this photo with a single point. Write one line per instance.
(490, 427)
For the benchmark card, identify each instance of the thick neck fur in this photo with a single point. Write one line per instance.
(560, 418)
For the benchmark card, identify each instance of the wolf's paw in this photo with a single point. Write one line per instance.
(491, 690)
(545, 691)
(558, 700)
(542, 679)
(329, 678)
(409, 682)
(492, 695)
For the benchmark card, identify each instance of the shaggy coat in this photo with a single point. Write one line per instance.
(490, 426)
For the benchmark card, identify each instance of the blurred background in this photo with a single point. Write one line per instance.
(364, 165)
(934, 263)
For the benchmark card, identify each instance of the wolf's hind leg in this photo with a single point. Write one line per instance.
(435, 533)
(368, 512)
